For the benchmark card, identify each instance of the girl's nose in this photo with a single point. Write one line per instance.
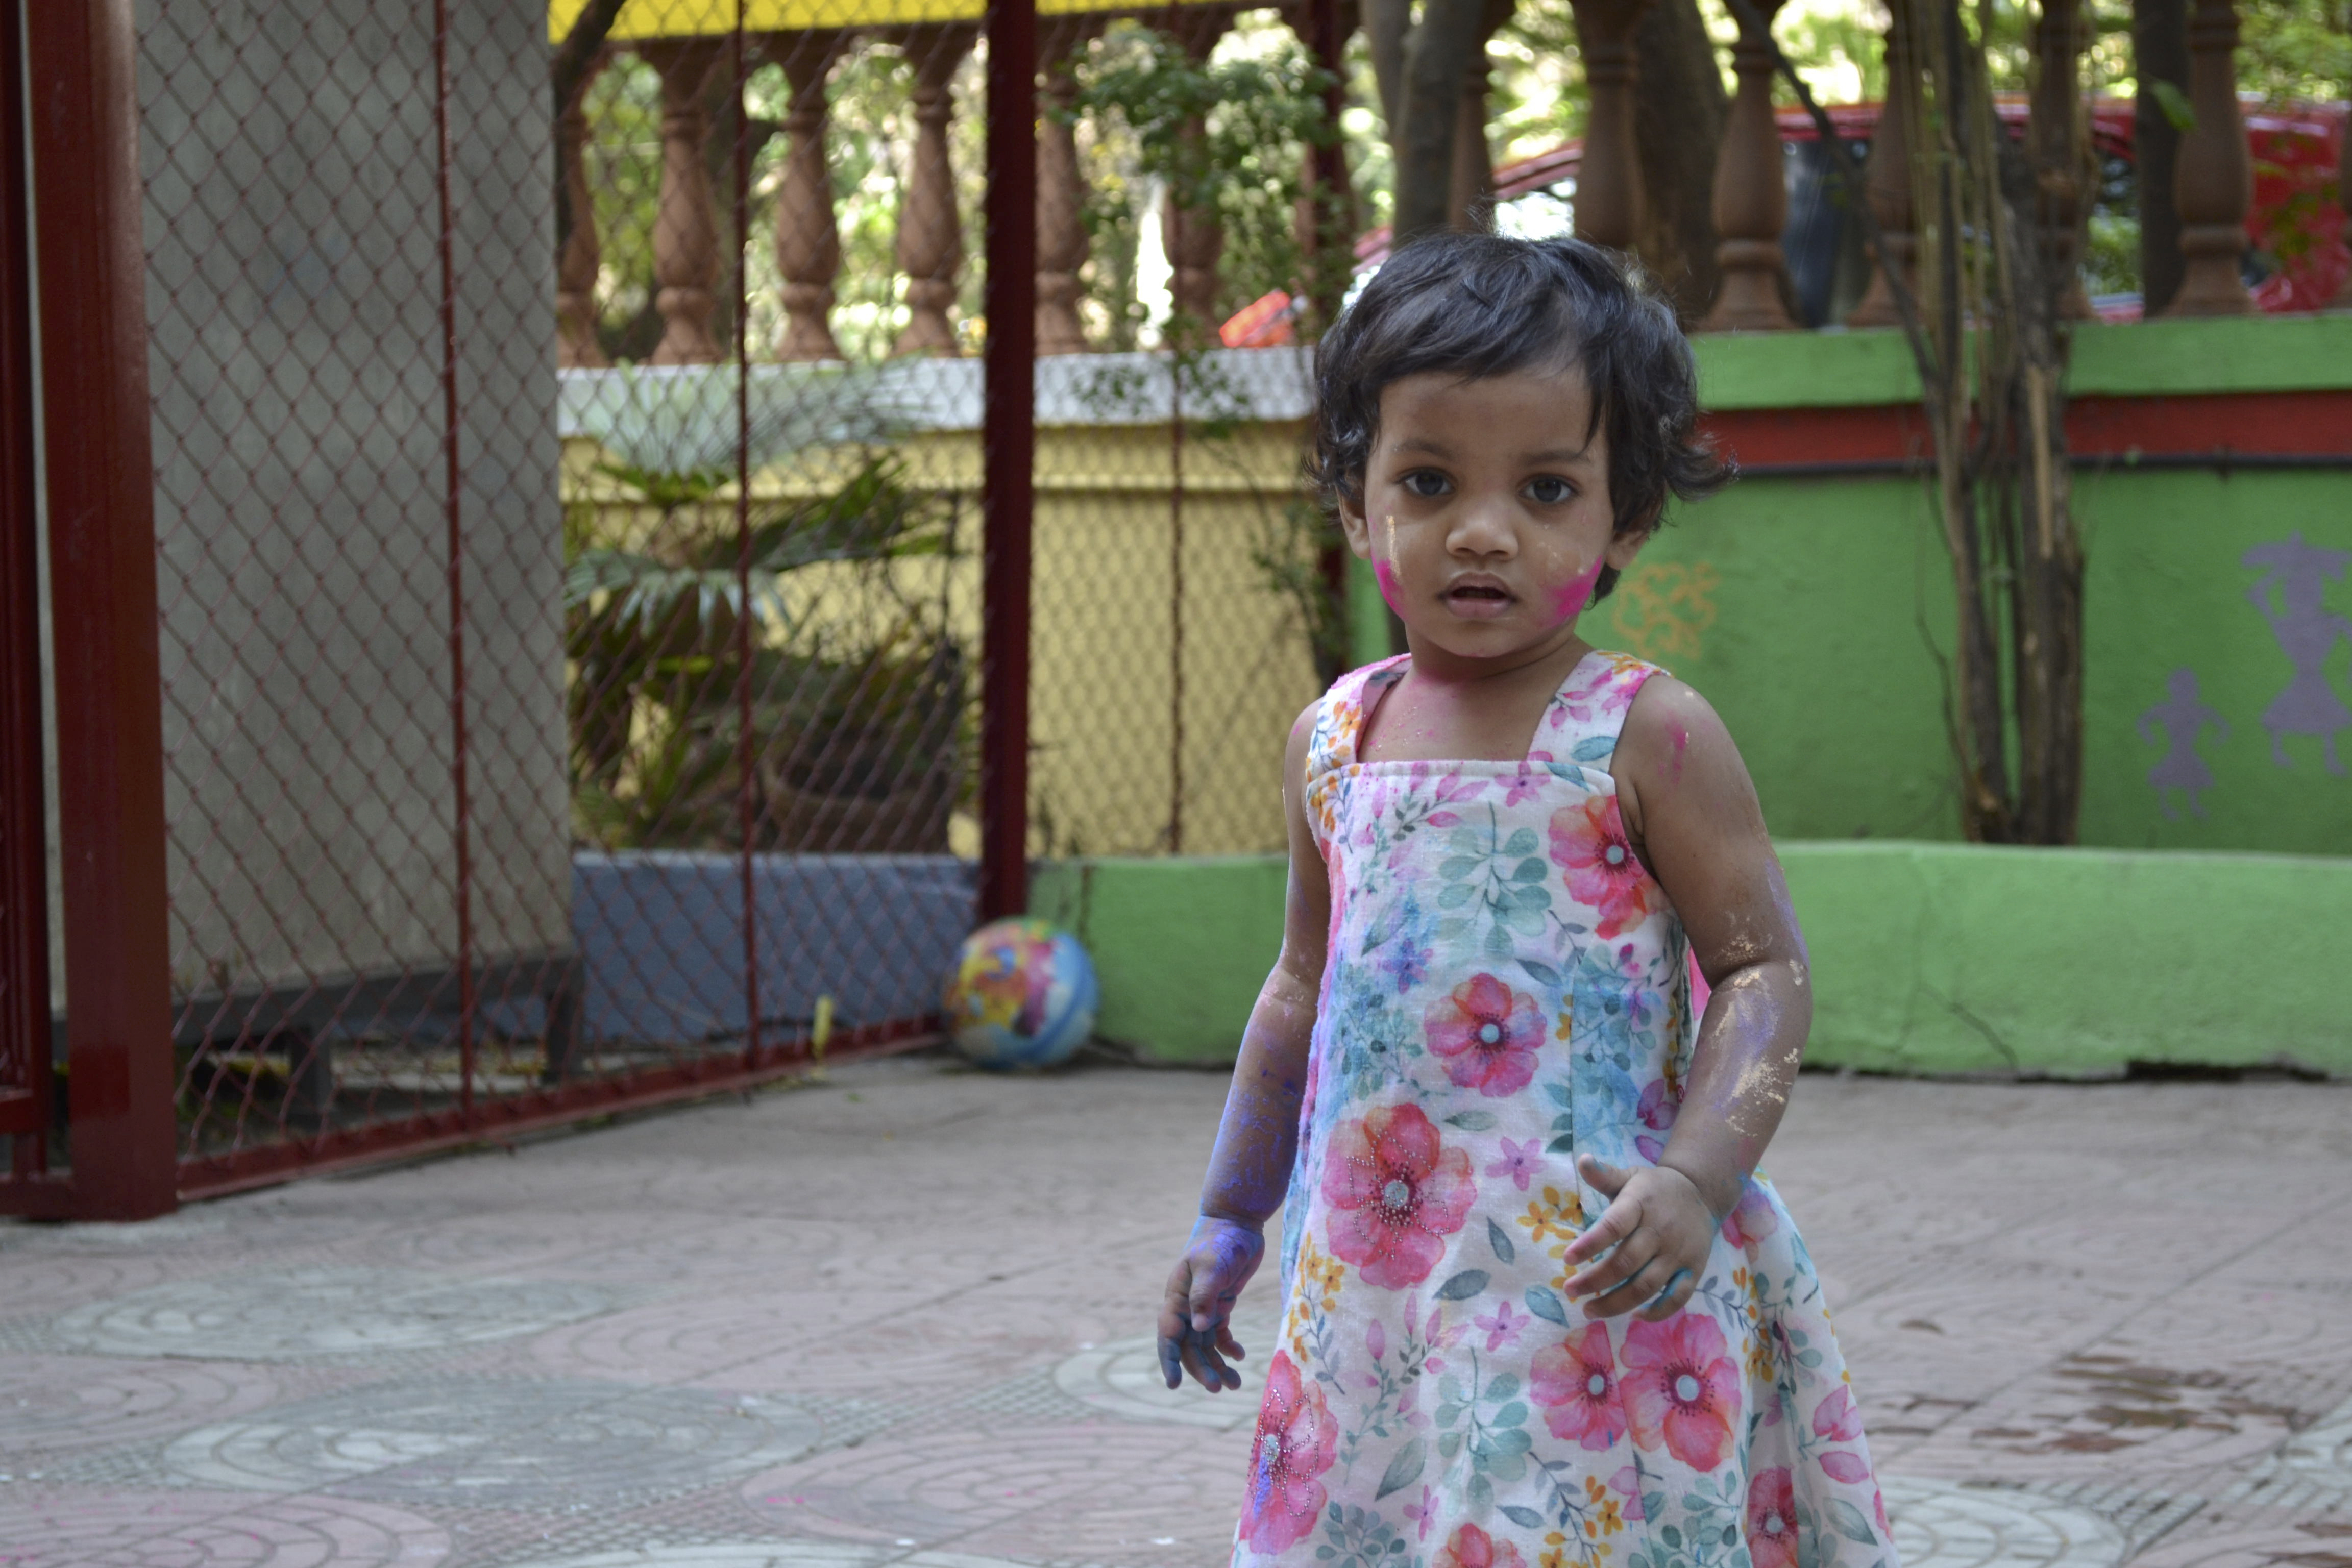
(1481, 526)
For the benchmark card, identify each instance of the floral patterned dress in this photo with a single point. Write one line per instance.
(1506, 988)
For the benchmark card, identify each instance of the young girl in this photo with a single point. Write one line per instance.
(1541, 1310)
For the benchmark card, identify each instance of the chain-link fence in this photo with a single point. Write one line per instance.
(569, 456)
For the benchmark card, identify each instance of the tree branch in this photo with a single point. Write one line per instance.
(580, 48)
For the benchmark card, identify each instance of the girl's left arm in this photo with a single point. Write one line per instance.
(1692, 813)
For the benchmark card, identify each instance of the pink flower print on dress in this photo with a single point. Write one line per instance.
(1575, 1382)
(1396, 1193)
(1296, 1441)
(1424, 1512)
(1487, 1034)
(1607, 692)
(1751, 1220)
(1659, 1105)
(1525, 786)
(1588, 842)
(1518, 1163)
(1772, 1520)
(1682, 1388)
(1628, 1485)
(1836, 1417)
(1471, 1547)
(1500, 1326)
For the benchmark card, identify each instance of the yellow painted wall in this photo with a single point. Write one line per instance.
(1105, 659)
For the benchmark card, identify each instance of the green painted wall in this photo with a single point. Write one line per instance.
(1927, 958)
(1814, 612)
(1180, 946)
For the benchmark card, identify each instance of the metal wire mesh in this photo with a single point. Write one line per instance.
(568, 432)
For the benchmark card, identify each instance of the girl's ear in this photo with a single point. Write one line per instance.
(1358, 533)
(1624, 547)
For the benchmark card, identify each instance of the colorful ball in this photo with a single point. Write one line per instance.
(1022, 994)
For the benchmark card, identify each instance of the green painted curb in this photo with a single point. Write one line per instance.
(1927, 958)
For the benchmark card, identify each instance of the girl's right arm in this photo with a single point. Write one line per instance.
(1256, 1142)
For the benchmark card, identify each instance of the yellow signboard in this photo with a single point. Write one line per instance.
(689, 18)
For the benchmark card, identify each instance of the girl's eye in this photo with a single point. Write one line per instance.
(1549, 491)
(1425, 482)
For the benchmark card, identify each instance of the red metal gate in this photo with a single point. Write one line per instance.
(444, 790)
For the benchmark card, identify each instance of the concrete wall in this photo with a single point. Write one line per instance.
(294, 293)
(1936, 958)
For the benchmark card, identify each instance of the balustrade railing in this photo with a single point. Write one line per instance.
(1750, 207)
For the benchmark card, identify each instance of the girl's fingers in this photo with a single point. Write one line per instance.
(1610, 1180)
(1616, 1225)
(1172, 1361)
(1681, 1285)
(1641, 1285)
(1613, 1273)
(1201, 1355)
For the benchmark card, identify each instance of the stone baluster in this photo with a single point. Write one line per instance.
(1608, 183)
(576, 269)
(2054, 145)
(1886, 181)
(2214, 181)
(1751, 196)
(930, 230)
(685, 225)
(1194, 237)
(1061, 190)
(808, 244)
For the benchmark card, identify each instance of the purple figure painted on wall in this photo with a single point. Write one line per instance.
(2291, 596)
(2184, 717)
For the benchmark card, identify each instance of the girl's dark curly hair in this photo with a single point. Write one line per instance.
(1477, 305)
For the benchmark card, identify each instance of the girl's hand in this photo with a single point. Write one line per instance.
(1660, 1230)
(1195, 1328)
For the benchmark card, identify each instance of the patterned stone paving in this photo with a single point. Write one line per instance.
(902, 1318)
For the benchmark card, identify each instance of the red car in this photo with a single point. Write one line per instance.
(2296, 252)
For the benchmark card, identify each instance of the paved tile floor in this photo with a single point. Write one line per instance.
(903, 1317)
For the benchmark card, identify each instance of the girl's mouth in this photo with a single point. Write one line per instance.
(1478, 601)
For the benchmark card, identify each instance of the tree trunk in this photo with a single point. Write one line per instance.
(1679, 118)
(1438, 54)
(2159, 52)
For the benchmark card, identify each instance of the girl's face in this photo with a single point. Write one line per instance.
(1486, 512)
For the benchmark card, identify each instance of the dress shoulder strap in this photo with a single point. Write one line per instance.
(1581, 726)
(1339, 722)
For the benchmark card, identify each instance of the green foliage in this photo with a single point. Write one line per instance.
(2295, 50)
(654, 632)
(1231, 135)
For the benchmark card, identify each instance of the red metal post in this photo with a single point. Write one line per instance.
(101, 495)
(746, 796)
(24, 827)
(453, 481)
(1008, 440)
(1326, 38)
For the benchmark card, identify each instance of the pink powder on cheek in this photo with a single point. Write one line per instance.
(1387, 577)
(1575, 592)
